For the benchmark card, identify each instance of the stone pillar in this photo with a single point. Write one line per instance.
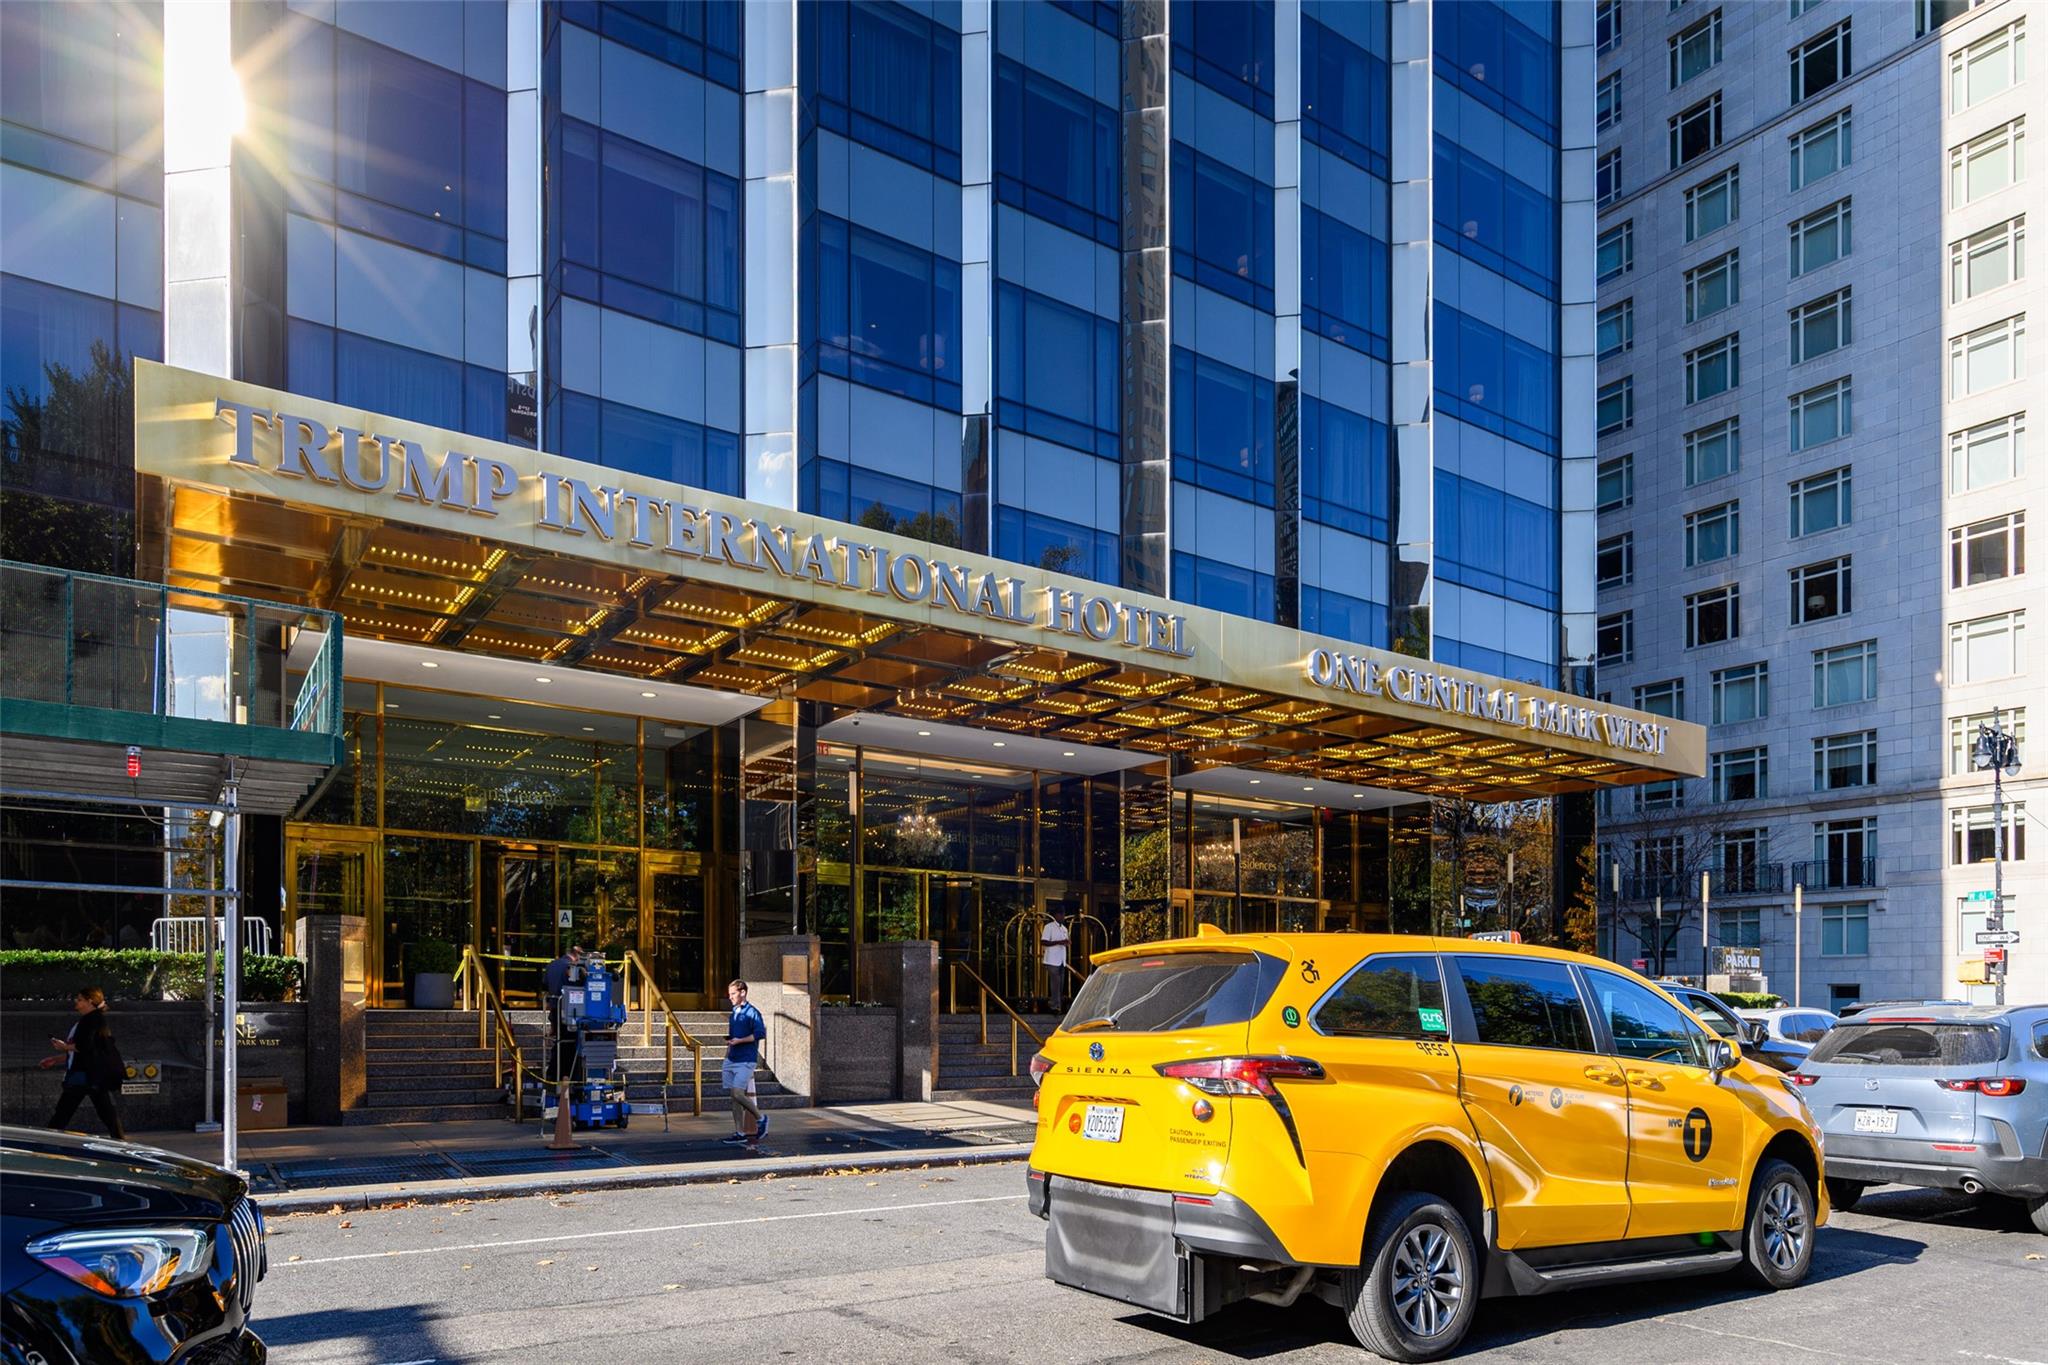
(781, 972)
(336, 952)
(906, 975)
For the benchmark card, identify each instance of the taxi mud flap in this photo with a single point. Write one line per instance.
(1119, 1243)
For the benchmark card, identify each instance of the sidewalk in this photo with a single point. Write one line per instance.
(299, 1169)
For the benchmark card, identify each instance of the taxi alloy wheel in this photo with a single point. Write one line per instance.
(1778, 1242)
(1416, 1292)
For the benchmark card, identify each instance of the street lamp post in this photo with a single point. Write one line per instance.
(1660, 935)
(1706, 900)
(1614, 929)
(1998, 750)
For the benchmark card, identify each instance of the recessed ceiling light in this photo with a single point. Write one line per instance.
(590, 727)
(428, 663)
(1255, 782)
(1358, 796)
(999, 743)
(494, 717)
(1308, 789)
(390, 706)
(646, 694)
(1066, 753)
(926, 734)
(539, 677)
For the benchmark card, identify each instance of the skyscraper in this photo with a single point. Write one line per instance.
(1813, 484)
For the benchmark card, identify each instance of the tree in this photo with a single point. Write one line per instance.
(1663, 851)
(1582, 917)
(934, 527)
(67, 495)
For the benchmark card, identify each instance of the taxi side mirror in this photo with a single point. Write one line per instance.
(1721, 1056)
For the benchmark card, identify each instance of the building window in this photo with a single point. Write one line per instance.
(1617, 251)
(1615, 638)
(1659, 858)
(1845, 761)
(1800, 7)
(1616, 486)
(1845, 674)
(1988, 260)
(1695, 131)
(1713, 204)
(1711, 287)
(1695, 49)
(1743, 928)
(1987, 550)
(1962, 737)
(1985, 165)
(1820, 592)
(1666, 699)
(1988, 647)
(1713, 369)
(1616, 408)
(1822, 503)
(1607, 178)
(1615, 563)
(1820, 62)
(1820, 415)
(1607, 25)
(1740, 775)
(1987, 454)
(1714, 616)
(1821, 327)
(1607, 102)
(1740, 694)
(1661, 796)
(1973, 834)
(1988, 357)
(1820, 151)
(1820, 238)
(1845, 929)
(1713, 451)
(1929, 15)
(1616, 328)
(1990, 66)
(1739, 857)
(1712, 534)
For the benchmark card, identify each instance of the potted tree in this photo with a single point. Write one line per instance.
(432, 962)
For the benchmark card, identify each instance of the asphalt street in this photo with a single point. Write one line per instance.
(946, 1265)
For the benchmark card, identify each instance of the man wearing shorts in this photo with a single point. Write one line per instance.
(744, 1034)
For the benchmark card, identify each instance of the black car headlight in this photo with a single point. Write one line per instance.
(126, 1263)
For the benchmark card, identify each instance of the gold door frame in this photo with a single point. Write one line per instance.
(708, 994)
(300, 839)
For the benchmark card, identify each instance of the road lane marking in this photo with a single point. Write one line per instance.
(1761, 1341)
(2002, 1360)
(639, 1232)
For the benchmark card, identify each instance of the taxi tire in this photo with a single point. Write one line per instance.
(1369, 1290)
(1771, 1175)
(1843, 1194)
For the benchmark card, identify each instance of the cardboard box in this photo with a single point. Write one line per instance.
(260, 1102)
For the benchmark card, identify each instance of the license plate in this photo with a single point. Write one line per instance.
(1877, 1120)
(1104, 1123)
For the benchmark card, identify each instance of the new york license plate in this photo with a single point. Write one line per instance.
(1103, 1123)
(1877, 1120)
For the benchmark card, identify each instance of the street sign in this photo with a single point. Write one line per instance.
(1999, 936)
(1994, 954)
(1741, 961)
(1982, 896)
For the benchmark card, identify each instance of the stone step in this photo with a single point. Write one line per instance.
(425, 1113)
(990, 1094)
(433, 1095)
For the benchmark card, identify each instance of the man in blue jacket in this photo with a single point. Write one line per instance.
(744, 1034)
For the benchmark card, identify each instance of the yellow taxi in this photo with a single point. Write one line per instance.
(1402, 1126)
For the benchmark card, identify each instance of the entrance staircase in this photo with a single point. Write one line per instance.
(423, 1066)
(972, 1070)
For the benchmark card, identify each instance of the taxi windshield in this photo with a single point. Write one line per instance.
(1159, 992)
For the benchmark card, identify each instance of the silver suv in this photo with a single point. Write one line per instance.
(1948, 1096)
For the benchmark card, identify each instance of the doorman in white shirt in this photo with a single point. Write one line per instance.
(1053, 938)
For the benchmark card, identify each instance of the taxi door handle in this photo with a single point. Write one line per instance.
(1645, 1080)
(1605, 1075)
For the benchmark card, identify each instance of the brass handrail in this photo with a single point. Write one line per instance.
(652, 998)
(504, 1035)
(988, 992)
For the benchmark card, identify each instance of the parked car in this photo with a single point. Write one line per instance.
(1780, 1053)
(117, 1253)
(1951, 1097)
(1402, 1127)
(1793, 1023)
(1865, 1006)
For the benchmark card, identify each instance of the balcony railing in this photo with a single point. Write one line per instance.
(1750, 879)
(1837, 874)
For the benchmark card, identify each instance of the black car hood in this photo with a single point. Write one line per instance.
(62, 1177)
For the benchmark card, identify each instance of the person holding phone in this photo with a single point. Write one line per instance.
(92, 1064)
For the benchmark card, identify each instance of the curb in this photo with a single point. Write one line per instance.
(360, 1197)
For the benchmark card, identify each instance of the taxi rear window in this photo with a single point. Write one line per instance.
(1162, 992)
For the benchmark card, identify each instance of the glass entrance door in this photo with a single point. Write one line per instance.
(334, 872)
(521, 920)
(682, 953)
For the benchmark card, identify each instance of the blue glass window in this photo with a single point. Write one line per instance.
(1496, 542)
(1348, 618)
(1056, 372)
(648, 233)
(1227, 45)
(1101, 13)
(1499, 61)
(1493, 218)
(1222, 428)
(1222, 228)
(57, 345)
(1345, 284)
(702, 36)
(1346, 469)
(832, 488)
(1345, 97)
(81, 87)
(885, 76)
(887, 314)
(1495, 381)
(1222, 587)
(1051, 543)
(1056, 153)
(641, 442)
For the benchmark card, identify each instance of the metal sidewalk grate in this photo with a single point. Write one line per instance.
(318, 1174)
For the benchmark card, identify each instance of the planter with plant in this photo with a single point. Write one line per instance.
(431, 963)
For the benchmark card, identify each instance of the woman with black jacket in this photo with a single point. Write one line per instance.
(92, 1064)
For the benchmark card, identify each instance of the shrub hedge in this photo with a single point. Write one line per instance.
(138, 974)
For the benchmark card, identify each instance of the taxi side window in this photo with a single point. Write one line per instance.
(1399, 996)
(1647, 1027)
(1525, 1002)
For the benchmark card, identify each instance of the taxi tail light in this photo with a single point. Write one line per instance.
(1040, 1064)
(1996, 1086)
(1241, 1075)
